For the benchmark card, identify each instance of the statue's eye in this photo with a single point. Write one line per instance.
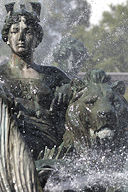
(14, 30)
(28, 31)
(91, 101)
(116, 102)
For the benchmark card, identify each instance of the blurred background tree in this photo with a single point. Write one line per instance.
(59, 18)
(67, 29)
(107, 42)
(70, 55)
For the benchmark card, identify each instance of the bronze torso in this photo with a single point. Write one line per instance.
(33, 98)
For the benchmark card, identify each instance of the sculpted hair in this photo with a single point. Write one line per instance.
(15, 18)
(97, 76)
(94, 76)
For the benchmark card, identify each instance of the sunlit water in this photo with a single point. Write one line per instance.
(89, 171)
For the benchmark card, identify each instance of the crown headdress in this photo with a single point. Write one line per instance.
(34, 9)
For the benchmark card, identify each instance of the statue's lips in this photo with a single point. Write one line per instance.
(21, 45)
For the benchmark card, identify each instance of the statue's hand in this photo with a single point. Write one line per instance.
(62, 97)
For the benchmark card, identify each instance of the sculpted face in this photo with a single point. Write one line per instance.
(22, 38)
(98, 113)
(101, 105)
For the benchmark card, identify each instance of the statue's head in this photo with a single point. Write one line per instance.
(21, 30)
(98, 112)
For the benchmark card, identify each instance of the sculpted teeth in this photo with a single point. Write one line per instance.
(102, 128)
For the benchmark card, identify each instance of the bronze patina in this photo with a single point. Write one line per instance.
(97, 115)
(32, 115)
(32, 86)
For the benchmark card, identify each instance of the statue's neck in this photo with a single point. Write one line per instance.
(22, 67)
(20, 63)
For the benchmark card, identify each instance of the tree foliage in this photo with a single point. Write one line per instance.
(107, 42)
(70, 55)
(61, 17)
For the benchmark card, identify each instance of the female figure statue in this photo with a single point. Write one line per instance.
(31, 85)
(29, 106)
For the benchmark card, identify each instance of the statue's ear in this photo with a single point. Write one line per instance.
(37, 43)
(119, 87)
(39, 37)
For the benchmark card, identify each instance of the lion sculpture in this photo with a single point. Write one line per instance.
(96, 118)
(98, 112)
(96, 128)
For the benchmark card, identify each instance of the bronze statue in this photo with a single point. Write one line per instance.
(33, 103)
(35, 99)
(97, 115)
(96, 123)
(32, 86)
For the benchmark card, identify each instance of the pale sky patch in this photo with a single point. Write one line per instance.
(98, 6)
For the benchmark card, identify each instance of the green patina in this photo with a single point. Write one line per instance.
(98, 111)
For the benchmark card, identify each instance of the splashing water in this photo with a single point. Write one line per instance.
(89, 171)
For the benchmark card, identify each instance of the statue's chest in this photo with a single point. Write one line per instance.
(32, 91)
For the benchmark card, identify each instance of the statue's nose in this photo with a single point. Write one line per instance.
(21, 35)
(106, 115)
